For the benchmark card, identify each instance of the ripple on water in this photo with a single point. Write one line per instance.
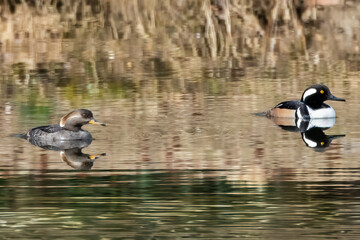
(177, 203)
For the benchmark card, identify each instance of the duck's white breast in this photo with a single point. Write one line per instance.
(327, 112)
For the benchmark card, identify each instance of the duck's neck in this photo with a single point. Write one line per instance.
(72, 127)
(313, 102)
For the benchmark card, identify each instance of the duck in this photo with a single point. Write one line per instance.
(68, 129)
(311, 105)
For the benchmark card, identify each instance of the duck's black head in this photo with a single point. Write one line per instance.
(315, 95)
(76, 119)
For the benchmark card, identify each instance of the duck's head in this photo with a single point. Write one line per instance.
(76, 119)
(315, 95)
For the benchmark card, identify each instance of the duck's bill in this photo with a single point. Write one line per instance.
(94, 157)
(93, 121)
(331, 137)
(332, 97)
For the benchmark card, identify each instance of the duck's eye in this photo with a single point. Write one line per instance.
(84, 115)
(322, 91)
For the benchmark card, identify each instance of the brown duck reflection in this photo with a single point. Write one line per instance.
(312, 131)
(78, 160)
(70, 151)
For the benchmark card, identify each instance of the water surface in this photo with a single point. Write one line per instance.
(178, 85)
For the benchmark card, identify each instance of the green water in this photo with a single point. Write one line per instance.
(174, 204)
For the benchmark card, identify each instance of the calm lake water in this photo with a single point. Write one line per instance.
(184, 154)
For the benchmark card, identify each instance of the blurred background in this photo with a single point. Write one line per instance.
(178, 84)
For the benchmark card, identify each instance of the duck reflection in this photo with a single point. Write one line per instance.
(76, 159)
(70, 152)
(312, 131)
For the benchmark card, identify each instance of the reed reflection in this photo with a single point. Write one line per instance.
(312, 131)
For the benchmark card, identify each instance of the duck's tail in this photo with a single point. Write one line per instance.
(263, 114)
(19, 135)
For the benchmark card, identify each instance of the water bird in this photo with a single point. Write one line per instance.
(311, 105)
(69, 129)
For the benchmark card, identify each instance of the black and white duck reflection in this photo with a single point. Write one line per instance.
(312, 131)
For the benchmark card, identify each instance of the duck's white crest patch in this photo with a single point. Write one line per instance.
(309, 142)
(309, 92)
(328, 112)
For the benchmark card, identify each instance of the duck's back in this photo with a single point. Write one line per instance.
(40, 131)
(285, 109)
